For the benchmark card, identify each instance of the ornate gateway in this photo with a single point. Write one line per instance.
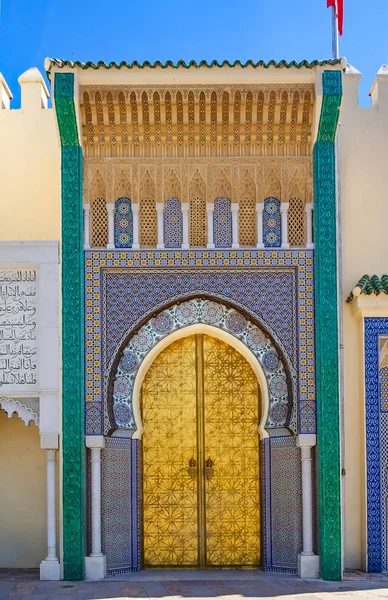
(201, 285)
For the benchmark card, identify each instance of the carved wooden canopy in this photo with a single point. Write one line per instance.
(197, 121)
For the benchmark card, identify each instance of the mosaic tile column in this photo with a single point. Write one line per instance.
(72, 330)
(376, 413)
(327, 338)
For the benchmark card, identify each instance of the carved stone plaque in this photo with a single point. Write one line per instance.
(18, 330)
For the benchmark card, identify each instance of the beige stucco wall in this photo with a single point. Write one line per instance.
(29, 168)
(23, 494)
(30, 208)
(364, 196)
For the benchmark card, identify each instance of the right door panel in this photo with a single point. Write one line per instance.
(231, 454)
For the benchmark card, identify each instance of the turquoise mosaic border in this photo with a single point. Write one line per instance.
(73, 487)
(327, 335)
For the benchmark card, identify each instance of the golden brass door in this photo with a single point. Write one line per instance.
(200, 471)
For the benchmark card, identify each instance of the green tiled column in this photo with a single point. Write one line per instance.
(326, 327)
(72, 330)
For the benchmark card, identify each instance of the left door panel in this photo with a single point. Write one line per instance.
(170, 501)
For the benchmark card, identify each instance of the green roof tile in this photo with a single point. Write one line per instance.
(369, 285)
(281, 64)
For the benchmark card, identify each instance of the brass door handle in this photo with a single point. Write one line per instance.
(192, 470)
(209, 469)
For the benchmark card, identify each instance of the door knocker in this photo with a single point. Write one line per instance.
(209, 470)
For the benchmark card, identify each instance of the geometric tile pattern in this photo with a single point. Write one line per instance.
(274, 288)
(384, 489)
(282, 504)
(217, 315)
(265, 455)
(376, 362)
(286, 502)
(383, 387)
(267, 295)
(222, 223)
(271, 223)
(173, 233)
(123, 223)
(93, 417)
(120, 505)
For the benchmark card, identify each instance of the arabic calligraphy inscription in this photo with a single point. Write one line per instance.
(18, 329)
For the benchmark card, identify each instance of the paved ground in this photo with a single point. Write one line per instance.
(212, 585)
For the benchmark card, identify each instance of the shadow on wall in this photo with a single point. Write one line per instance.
(23, 494)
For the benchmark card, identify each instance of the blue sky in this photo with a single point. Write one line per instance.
(141, 30)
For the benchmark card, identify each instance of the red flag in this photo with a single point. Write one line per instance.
(339, 10)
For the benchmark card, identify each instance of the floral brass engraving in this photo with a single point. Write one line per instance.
(200, 398)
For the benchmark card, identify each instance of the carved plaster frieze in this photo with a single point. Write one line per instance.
(283, 177)
(243, 89)
(97, 161)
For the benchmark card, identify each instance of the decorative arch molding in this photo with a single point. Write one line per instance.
(192, 316)
(26, 408)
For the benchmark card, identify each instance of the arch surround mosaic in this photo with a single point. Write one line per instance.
(219, 316)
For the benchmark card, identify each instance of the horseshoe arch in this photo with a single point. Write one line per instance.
(186, 318)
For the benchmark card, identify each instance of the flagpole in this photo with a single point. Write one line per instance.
(335, 40)
(335, 53)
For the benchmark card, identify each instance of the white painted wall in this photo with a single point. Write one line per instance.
(364, 193)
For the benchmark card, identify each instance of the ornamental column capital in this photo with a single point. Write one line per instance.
(94, 441)
(306, 440)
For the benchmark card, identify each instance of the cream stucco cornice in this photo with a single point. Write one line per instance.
(192, 72)
(201, 76)
(369, 306)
